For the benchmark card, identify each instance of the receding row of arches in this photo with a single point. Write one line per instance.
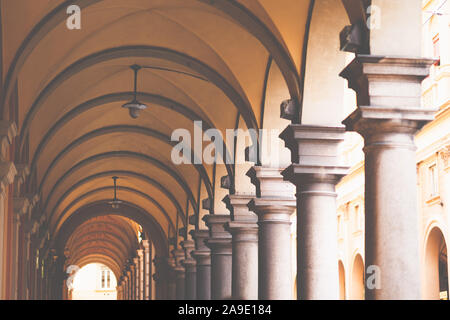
(435, 271)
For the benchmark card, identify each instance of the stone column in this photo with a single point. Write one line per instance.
(132, 282)
(20, 208)
(189, 265)
(202, 256)
(389, 114)
(167, 264)
(125, 287)
(8, 130)
(179, 274)
(221, 259)
(141, 286)
(274, 205)
(147, 269)
(244, 231)
(119, 290)
(315, 171)
(136, 278)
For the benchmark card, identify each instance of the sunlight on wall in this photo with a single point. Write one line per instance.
(94, 282)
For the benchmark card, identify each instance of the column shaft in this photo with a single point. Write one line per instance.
(202, 256)
(244, 231)
(274, 207)
(315, 172)
(221, 260)
(388, 116)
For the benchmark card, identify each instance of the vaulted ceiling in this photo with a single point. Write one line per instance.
(205, 60)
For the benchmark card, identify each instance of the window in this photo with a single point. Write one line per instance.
(358, 223)
(433, 180)
(106, 279)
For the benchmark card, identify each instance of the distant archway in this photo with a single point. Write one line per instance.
(357, 276)
(436, 266)
(94, 281)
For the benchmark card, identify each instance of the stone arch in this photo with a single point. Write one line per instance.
(357, 278)
(131, 211)
(435, 265)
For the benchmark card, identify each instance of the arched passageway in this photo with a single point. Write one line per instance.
(436, 266)
(178, 224)
(357, 279)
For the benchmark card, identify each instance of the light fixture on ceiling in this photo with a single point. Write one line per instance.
(115, 203)
(134, 107)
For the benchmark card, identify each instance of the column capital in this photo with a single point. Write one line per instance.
(145, 244)
(216, 224)
(200, 237)
(178, 255)
(188, 246)
(238, 206)
(140, 253)
(7, 174)
(219, 240)
(387, 88)
(243, 231)
(8, 130)
(314, 153)
(202, 254)
(269, 183)
(202, 257)
(23, 170)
